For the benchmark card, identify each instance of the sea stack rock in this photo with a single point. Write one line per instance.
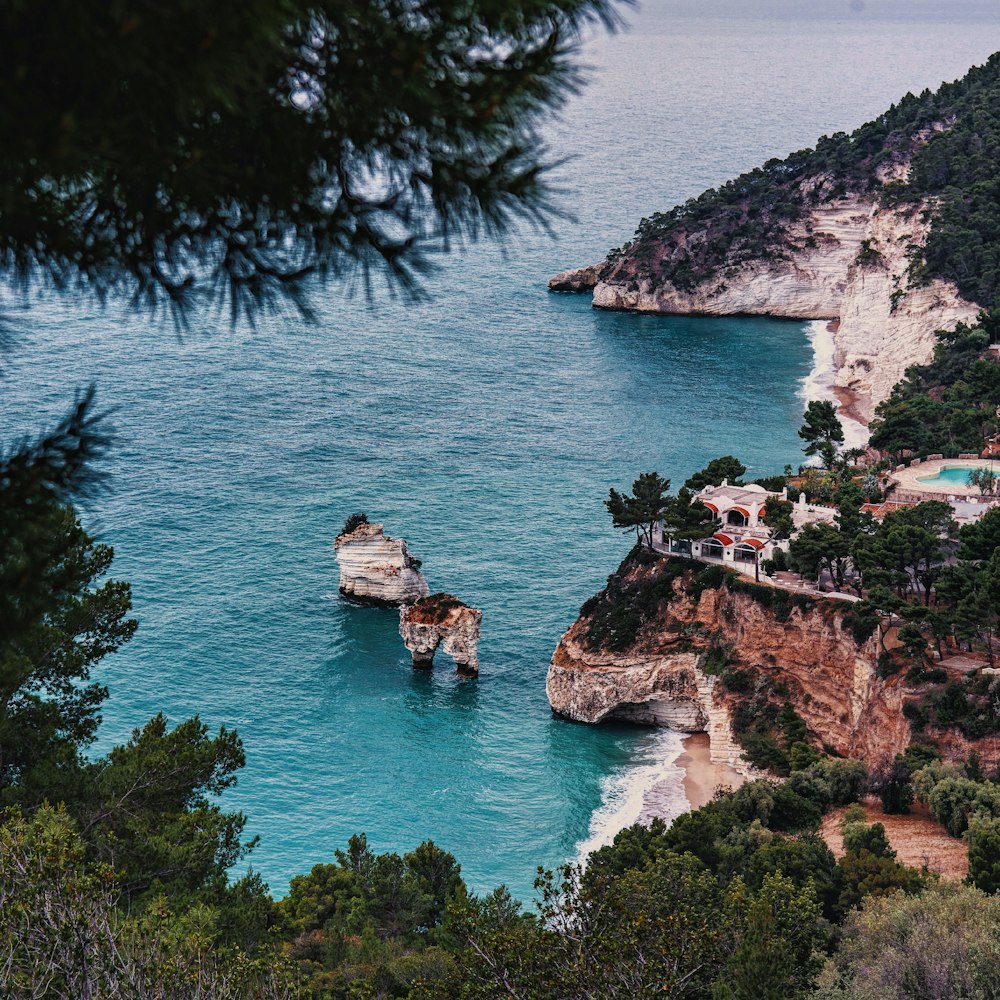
(377, 569)
(439, 619)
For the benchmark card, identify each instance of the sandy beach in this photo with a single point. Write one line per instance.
(701, 776)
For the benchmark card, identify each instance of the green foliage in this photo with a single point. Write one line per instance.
(65, 934)
(984, 855)
(141, 196)
(781, 603)
(56, 623)
(869, 837)
(727, 467)
(822, 431)
(893, 787)
(777, 563)
(871, 875)
(818, 547)
(948, 405)
(353, 522)
(768, 733)
(635, 593)
(905, 553)
(942, 942)
(641, 510)
(958, 802)
(684, 519)
(374, 918)
(149, 808)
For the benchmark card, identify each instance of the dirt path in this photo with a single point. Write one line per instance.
(916, 838)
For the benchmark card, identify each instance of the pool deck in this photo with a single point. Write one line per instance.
(908, 479)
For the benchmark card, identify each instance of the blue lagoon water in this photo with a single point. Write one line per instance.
(485, 427)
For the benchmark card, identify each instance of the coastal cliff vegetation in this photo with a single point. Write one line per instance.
(937, 149)
(948, 406)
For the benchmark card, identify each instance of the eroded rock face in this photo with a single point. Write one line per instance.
(580, 279)
(830, 678)
(885, 325)
(377, 569)
(442, 620)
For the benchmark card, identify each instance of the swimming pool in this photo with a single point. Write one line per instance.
(957, 475)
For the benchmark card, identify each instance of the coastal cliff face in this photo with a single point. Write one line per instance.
(442, 620)
(847, 261)
(377, 569)
(887, 323)
(829, 677)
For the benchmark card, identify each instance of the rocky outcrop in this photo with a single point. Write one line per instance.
(377, 569)
(442, 620)
(581, 279)
(660, 679)
(808, 283)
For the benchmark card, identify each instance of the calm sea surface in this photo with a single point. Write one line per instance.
(485, 427)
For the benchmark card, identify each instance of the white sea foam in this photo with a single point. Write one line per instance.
(818, 384)
(639, 791)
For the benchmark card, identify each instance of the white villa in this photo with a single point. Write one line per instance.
(741, 539)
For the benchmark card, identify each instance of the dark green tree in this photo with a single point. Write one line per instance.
(984, 855)
(778, 517)
(149, 809)
(641, 510)
(257, 172)
(683, 519)
(57, 620)
(819, 547)
(727, 467)
(822, 431)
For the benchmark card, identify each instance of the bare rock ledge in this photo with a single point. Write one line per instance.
(442, 620)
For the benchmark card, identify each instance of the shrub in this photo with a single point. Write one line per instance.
(354, 522)
(984, 855)
(871, 837)
(896, 946)
(635, 593)
(950, 801)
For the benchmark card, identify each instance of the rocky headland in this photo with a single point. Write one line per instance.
(376, 569)
(698, 649)
(850, 265)
(442, 620)
(872, 231)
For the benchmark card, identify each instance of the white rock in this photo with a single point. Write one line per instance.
(377, 569)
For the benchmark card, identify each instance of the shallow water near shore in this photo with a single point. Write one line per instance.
(485, 427)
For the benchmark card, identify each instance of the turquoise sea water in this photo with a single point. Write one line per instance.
(485, 427)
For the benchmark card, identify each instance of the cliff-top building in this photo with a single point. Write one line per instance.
(741, 539)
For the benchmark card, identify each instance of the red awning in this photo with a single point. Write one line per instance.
(722, 537)
(754, 543)
(742, 510)
(711, 506)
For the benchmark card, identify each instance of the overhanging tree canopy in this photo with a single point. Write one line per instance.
(236, 148)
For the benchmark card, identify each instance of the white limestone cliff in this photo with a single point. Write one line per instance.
(885, 324)
(646, 688)
(377, 569)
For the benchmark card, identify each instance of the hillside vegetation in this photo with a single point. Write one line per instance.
(951, 140)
